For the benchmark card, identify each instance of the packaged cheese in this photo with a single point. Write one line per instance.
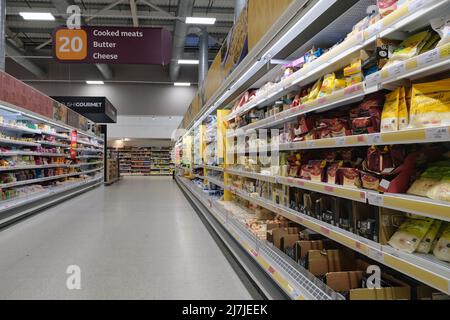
(328, 83)
(409, 47)
(315, 91)
(442, 248)
(389, 117)
(430, 104)
(353, 68)
(427, 241)
(409, 235)
(386, 7)
(403, 114)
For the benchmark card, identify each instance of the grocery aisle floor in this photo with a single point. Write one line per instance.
(138, 239)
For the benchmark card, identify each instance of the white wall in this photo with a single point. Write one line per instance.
(144, 127)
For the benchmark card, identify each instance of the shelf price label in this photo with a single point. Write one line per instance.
(416, 4)
(397, 69)
(374, 139)
(375, 199)
(340, 141)
(429, 57)
(373, 79)
(440, 133)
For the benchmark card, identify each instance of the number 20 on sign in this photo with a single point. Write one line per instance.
(71, 44)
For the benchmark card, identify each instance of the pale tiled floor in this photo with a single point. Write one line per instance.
(138, 239)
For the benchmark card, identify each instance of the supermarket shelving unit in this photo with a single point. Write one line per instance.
(410, 17)
(41, 171)
(152, 161)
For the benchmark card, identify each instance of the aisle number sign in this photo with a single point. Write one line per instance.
(112, 45)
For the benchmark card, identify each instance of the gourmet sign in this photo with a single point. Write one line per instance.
(113, 45)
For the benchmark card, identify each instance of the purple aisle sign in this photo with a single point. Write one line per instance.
(113, 45)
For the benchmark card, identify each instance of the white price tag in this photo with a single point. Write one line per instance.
(397, 69)
(375, 199)
(429, 57)
(416, 4)
(374, 138)
(340, 141)
(310, 144)
(376, 255)
(373, 79)
(439, 133)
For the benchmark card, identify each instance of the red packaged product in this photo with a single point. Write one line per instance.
(370, 181)
(332, 170)
(304, 125)
(349, 177)
(305, 172)
(317, 170)
(365, 125)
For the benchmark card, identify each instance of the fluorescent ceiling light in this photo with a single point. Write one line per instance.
(44, 16)
(94, 82)
(200, 20)
(187, 61)
(182, 84)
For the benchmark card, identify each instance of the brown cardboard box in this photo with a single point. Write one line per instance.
(344, 281)
(320, 262)
(287, 242)
(279, 233)
(390, 220)
(302, 247)
(310, 235)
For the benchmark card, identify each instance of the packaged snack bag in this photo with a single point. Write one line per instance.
(403, 114)
(427, 241)
(409, 47)
(315, 91)
(409, 235)
(442, 27)
(355, 79)
(442, 248)
(389, 117)
(353, 68)
(430, 104)
(328, 83)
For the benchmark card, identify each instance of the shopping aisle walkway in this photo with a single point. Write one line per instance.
(138, 239)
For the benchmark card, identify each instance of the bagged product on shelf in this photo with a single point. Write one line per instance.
(442, 248)
(349, 177)
(384, 50)
(370, 181)
(317, 170)
(442, 27)
(409, 48)
(403, 114)
(430, 104)
(314, 91)
(386, 7)
(427, 241)
(431, 43)
(389, 117)
(409, 235)
(353, 68)
(355, 79)
(332, 176)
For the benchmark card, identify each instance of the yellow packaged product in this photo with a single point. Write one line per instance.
(409, 47)
(315, 91)
(427, 241)
(389, 117)
(430, 104)
(328, 83)
(339, 84)
(442, 248)
(403, 114)
(353, 68)
(355, 79)
(409, 235)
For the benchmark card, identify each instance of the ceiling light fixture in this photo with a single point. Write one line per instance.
(201, 20)
(182, 84)
(187, 61)
(42, 16)
(94, 82)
